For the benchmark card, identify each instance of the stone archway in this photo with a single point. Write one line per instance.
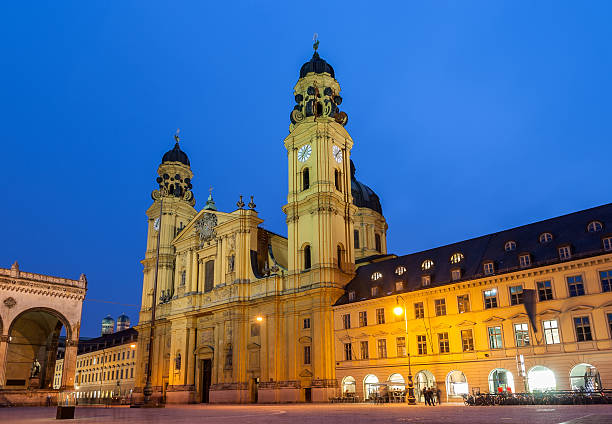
(33, 338)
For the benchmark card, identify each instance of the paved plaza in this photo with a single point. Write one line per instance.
(322, 413)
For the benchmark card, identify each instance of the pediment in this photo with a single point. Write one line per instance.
(580, 308)
(442, 326)
(549, 312)
(494, 318)
(519, 315)
(189, 231)
(346, 339)
(398, 331)
(306, 373)
(362, 336)
(253, 346)
(305, 340)
(466, 323)
(380, 333)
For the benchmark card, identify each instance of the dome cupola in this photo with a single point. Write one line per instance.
(363, 196)
(316, 65)
(176, 155)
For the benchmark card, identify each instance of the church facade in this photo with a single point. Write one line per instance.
(243, 314)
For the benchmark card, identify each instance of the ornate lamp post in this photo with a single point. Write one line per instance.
(398, 310)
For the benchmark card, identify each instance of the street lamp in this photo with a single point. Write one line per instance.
(259, 319)
(398, 310)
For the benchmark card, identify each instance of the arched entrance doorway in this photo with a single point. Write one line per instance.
(423, 379)
(32, 348)
(348, 386)
(585, 377)
(370, 386)
(396, 382)
(456, 384)
(500, 380)
(540, 379)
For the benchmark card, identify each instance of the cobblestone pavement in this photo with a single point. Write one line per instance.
(321, 414)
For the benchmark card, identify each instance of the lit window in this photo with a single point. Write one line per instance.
(425, 280)
(399, 285)
(575, 286)
(463, 303)
(346, 321)
(422, 344)
(380, 316)
(363, 318)
(427, 264)
(456, 274)
(351, 296)
(594, 226)
(524, 260)
(467, 340)
(545, 238)
(348, 352)
(551, 332)
(456, 258)
(489, 268)
(382, 348)
(606, 280)
(495, 337)
(565, 253)
(509, 246)
(521, 334)
(401, 346)
(419, 311)
(375, 291)
(516, 295)
(607, 244)
(583, 329)
(490, 298)
(365, 354)
(443, 342)
(400, 270)
(376, 276)
(440, 305)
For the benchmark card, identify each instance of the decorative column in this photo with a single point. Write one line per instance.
(3, 350)
(69, 365)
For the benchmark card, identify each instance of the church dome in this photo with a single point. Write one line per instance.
(176, 155)
(363, 196)
(108, 320)
(123, 318)
(316, 65)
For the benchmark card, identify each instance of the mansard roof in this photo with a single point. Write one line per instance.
(108, 340)
(567, 230)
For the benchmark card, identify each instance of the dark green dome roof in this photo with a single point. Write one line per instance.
(316, 65)
(176, 155)
(363, 196)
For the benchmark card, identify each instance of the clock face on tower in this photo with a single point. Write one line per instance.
(337, 154)
(156, 224)
(304, 152)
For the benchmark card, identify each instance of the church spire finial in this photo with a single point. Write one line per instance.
(315, 39)
(176, 136)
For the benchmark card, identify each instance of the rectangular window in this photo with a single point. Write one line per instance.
(348, 352)
(575, 286)
(463, 303)
(455, 274)
(374, 290)
(489, 268)
(399, 285)
(422, 344)
(583, 329)
(440, 307)
(346, 321)
(131, 372)
(551, 332)
(609, 316)
(516, 295)
(490, 298)
(351, 296)
(306, 323)
(382, 348)
(565, 253)
(401, 346)
(425, 280)
(363, 318)
(209, 275)
(306, 355)
(607, 244)
(606, 280)
(356, 239)
(521, 334)
(380, 316)
(495, 337)
(419, 311)
(254, 330)
(443, 342)
(467, 340)
(365, 353)
(524, 261)
(544, 290)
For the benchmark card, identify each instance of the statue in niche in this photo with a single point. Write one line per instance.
(177, 362)
(230, 263)
(35, 372)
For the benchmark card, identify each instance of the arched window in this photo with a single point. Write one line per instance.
(456, 258)
(307, 257)
(545, 238)
(305, 179)
(585, 377)
(502, 379)
(427, 264)
(456, 384)
(400, 270)
(376, 276)
(594, 226)
(337, 180)
(510, 245)
(540, 378)
(339, 251)
(396, 382)
(370, 386)
(356, 239)
(378, 243)
(348, 385)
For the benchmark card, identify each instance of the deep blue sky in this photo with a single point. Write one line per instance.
(468, 118)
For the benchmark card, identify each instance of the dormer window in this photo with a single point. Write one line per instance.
(525, 260)
(399, 285)
(426, 280)
(376, 276)
(351, 296)
(565, 253)
(607, 244)
(594, 226)
(427, 264)
(375, 291)
(400, 270)
(545, 238)
(510, 246)
(489, 268)
(456, 258)
(456, 274)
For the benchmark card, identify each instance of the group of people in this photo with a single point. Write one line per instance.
(432, 396)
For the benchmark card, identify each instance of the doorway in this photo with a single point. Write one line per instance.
(308, 394)
(206, 376)
(254, 387)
